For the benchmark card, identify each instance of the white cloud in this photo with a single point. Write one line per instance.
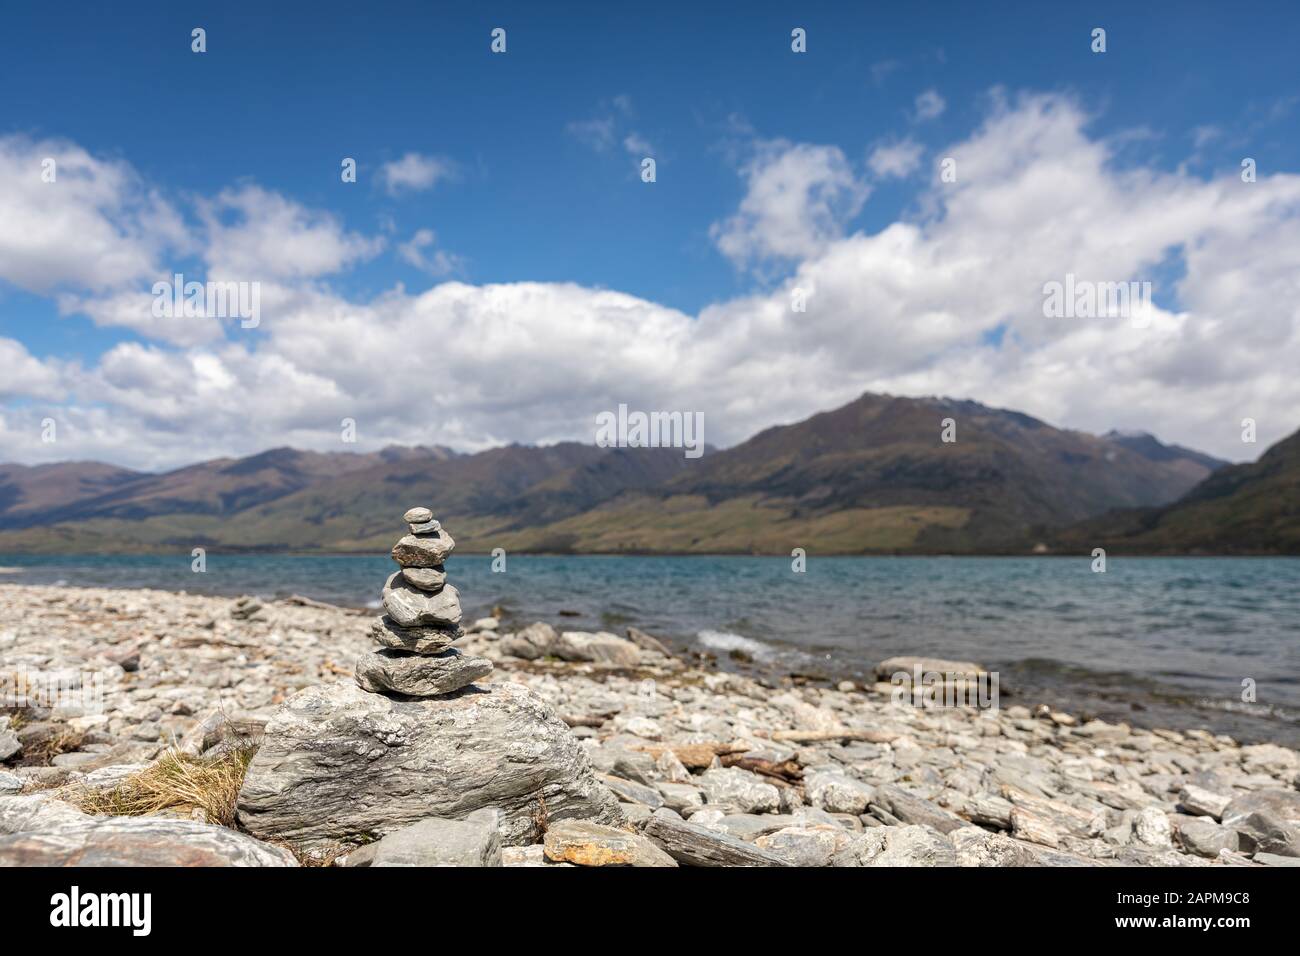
(797, 198)
(914, 308)
(26, 376)
(610, 126)
(95, 227)
(895, 159)
(415, 172)
(930, 105)
(253, 234)
(133, 309)
(418, 251)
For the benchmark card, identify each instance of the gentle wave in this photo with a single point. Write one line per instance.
(728, 642)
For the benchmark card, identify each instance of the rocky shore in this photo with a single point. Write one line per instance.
(618, 753)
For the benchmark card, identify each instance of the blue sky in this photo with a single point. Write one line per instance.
(538, 151)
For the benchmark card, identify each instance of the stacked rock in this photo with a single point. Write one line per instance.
(422, 620)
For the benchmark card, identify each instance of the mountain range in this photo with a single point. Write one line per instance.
(874, 476)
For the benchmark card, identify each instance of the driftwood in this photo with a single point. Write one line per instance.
(816, 736)
(694, 756)
(787, 771)
(587, 720)
(299, 601)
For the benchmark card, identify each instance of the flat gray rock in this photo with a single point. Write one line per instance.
(413, 607)
(681, 797)
(419, 675)
(473, 841)
(45, 832)
(633, 792)
(423, 550)
(418, 640)
(426, 579)
(1272, 859)
(749, 826)
(417, 515)
(1267, 820)
(338, 764)
(927, 665)
(1200, 802)
(1283, 804)
(1207, 839)
(910, 808)
(646, 642)
(693, 845)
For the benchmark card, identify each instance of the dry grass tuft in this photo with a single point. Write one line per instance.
(41, 753)
(178, 781)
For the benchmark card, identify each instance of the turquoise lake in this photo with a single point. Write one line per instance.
(1155, 641)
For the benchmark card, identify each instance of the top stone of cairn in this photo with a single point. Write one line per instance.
(421, 521)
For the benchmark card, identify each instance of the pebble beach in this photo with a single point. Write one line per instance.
(710, 767)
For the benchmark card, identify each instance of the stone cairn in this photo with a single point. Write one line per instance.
(421, 620)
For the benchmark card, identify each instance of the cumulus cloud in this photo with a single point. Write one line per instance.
(797, 198)
(895, 159)
(95, 226)
(254, 234)
(947, 302)
(26, 376)
(415, 172)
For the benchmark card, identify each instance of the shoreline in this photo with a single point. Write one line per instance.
(1059, 788)
(1143, 698)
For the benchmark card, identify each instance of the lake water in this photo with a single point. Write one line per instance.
(1154, 641)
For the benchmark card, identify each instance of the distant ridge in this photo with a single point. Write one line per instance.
(871, 476)
(1240, 509)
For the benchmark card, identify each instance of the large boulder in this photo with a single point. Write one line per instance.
(340, 765)
(46, 832)
(599, 648)
(532, 642)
